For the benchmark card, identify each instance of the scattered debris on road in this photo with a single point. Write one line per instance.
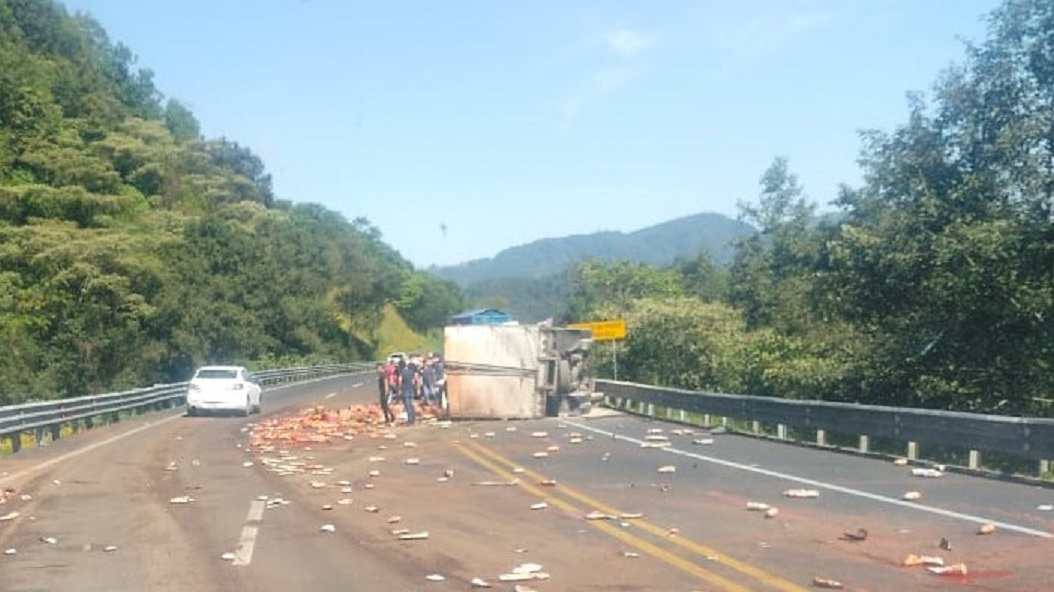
(859, 535)
(828, 583)
(929, 473)
(912, 496)
(182, 499)
(801, 493)
(328, 528)
(986, 528)
(667, 469)
(479, 583)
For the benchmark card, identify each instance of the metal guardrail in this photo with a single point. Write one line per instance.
(1030, 439)
(50, 416)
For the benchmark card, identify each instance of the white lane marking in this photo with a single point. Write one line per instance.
(829, 486)
(256, 511)
(357, 384)
(244, 553)
(75, 453)
(331, 395)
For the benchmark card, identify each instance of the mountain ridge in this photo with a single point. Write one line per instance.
(658, 244)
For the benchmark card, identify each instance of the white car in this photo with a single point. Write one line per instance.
(223, 388)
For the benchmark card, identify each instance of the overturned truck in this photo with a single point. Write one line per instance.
(517, 371)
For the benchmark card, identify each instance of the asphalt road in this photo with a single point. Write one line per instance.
(582, 498)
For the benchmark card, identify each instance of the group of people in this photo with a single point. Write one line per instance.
(408, 378)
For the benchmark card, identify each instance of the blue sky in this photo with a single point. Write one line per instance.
(460, 128)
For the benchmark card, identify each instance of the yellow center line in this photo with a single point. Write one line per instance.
(700, 549)
(625, 537)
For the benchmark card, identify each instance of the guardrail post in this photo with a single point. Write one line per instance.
(1044, 467)
(821, 437)
(682, 416)
(706, 419)
(781, 431)
(913, 450)
(864, 441)
(651, 410)
(16, 441)
(755, 426)
(56, 431)
(38, 436)
(975, 459)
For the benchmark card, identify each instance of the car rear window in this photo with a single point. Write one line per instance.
(216, 373)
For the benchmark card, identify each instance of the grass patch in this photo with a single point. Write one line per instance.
(393, 334)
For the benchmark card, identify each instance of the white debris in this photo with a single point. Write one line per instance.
(539, 506)
(374, 473)
(598, 515)
(413, 461)
(539, 434)
(631, 554)
(912, 496)
(434, 578)
(328, 528)
(372, 509)
(757, 506)
(958, 569)
(344, 501)
(228, 556)
(667, 469)
(479, 583)
(497, 483)
(49, 540)
(801, 493)
(772, 512)
(931, 473)
(414, 536)
(488, 435)
(11, 551)
(109, 548)
(394, 519)
(182, 499)
(376, 459)
(541, 454)
(9, 516)
(631, 515)
(248, 464)
(703, 441)
(317, 485)
(1046, 508)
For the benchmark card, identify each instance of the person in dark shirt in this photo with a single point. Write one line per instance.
(406, 378)
(428, 383)
(382, 386)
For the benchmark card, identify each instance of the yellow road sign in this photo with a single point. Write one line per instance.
(604, 330)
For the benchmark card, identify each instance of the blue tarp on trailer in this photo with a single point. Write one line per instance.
(483, 316)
